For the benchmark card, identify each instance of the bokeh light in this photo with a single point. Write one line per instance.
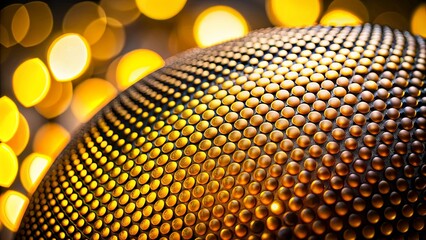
(20, 23)
(136, 65)
(356, 7)
(125, 11)
(6, 18)
(31, 82)
(345, 12)
(80, 16)
(160, 9)
(20, 139)
(392, 19)
(33, 169)
(111, 41)
(340, 18)
(95, 30)
(50, 139)
(293, 13)
(9, 121)
(86, 102)
(54, 93)
(9, 165)
(418, 20)
(32, 23)
(57, 100)
(12, 207)
(68, 57)
(218, 24)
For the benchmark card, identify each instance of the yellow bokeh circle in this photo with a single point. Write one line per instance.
(125, 11)
(108, 44)
(20, 140)
(293, 13)
(9, 121)
(57, 100)
(12, 208)
(340, 18)
(6, 18)
(31, 82)
(86, 102)
(418, 20)
(135, 65)
(50, 139)
(9, 165)
(218, 24)
(345, 13)
(80, 15)
(160, 9)
(33, 169)
(68, 57)
(32, 23)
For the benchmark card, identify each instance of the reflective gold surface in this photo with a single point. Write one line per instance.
(287, 133)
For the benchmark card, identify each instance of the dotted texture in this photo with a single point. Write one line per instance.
(312, 132)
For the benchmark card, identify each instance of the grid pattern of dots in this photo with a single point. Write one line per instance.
(309, 132)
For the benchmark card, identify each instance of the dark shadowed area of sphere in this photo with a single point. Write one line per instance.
(305, 133)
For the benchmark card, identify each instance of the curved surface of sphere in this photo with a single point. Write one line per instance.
(286, 133)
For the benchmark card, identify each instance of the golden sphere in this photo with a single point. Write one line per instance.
(314, 132)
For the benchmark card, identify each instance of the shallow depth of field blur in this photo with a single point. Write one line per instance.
(61, 61)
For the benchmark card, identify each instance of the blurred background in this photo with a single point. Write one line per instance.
(62, 60)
